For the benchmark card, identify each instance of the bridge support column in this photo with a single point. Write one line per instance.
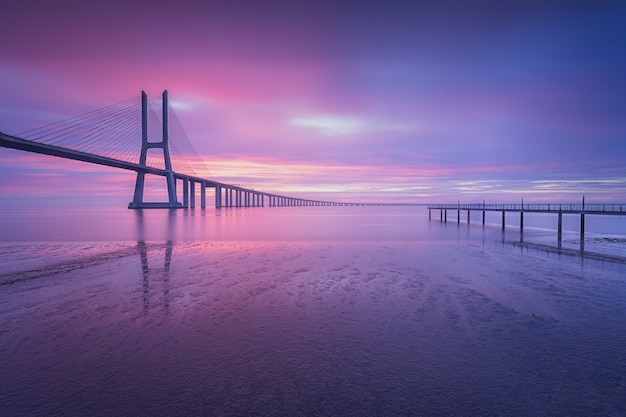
(203, 194)
(483, 217)
(192, 194)
(185, 192)
(218, 196)
(138, 202)
(445, 215)
(468, 216)
(503, 219)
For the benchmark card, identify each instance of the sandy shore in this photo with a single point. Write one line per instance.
(309, 328)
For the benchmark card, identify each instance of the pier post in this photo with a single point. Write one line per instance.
(582, 227)
(521, 216)
(440, 215)
(582, 231)
(218, 196)
(560, 228)
(483, 212)
(428, 214)
(445, 216)
(458, 216)
(468, 216)
(503, 219)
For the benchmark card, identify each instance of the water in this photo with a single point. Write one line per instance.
(307, 311)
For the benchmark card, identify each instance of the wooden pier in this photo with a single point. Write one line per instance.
(558, 209)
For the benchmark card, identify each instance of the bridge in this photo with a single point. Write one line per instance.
(110, 137)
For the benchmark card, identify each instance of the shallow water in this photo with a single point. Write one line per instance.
(367, 311)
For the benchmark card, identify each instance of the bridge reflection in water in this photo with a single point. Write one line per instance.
(155, 274)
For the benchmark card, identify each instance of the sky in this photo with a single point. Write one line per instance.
(423, 102)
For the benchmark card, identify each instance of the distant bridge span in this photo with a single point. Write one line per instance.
(226, 195)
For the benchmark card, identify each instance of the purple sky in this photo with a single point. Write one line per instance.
(404, 101)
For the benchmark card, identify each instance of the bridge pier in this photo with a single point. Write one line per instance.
(218, 196)
(138, 202)
(185, 192)
(192, 194)
(203, 194)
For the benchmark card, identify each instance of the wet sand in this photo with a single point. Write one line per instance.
(309, 328)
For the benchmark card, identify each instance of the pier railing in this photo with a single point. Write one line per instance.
(539, 208)
(559, 209)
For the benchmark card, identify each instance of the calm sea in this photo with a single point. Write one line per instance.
(603, 234)
(309, 311)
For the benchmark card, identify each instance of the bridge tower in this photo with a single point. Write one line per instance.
(138, 202)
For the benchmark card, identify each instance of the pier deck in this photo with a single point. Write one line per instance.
(558, 209)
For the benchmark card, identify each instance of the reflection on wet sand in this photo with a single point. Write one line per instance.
(162, 274)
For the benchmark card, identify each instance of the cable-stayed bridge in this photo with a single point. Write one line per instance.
(145, 136)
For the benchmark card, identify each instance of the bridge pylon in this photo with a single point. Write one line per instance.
(138, 202)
